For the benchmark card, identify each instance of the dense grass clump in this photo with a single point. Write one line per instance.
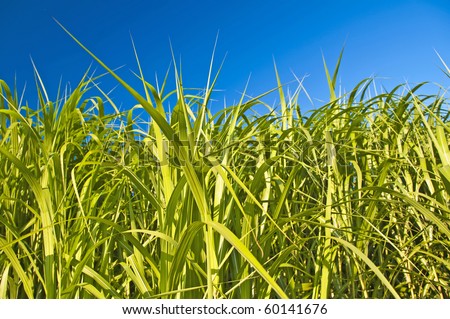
(351, 201)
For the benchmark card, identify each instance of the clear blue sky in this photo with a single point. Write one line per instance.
(389, 39)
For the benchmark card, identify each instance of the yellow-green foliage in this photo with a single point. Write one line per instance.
(351, 201)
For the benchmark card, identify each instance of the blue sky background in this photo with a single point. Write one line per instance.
(394, 40)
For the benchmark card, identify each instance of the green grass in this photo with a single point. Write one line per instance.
(351, 201)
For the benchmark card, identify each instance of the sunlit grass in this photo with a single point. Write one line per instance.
(351, 201)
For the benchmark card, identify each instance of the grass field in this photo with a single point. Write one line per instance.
(350, 201)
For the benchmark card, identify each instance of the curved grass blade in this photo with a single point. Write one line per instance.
(369, 263)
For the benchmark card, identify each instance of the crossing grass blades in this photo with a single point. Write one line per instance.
(350, 201)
